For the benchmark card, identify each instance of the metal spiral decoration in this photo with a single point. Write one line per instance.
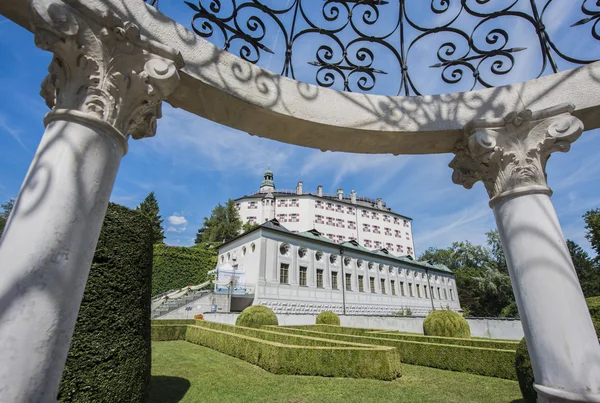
(355, 43)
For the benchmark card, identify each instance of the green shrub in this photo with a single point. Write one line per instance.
(594, 307)
(256, 316)
(446, 323)
(476, 360)
(328, 318)
(287, 354)
(109, 354)
(179, 266)
(525, 373)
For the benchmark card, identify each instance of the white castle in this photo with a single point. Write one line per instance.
(316, 252)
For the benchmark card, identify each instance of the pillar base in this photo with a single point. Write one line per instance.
(552, 395)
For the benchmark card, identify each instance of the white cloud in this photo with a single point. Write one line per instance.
(176, 229)
(177, 219)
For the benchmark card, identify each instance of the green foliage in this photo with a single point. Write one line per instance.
(588, 273)
(224, 223)
(256, 316)
(510, 311)
(592, 228)
(249, 227)
(523, 366)
(179, 266)
(482, 282)
(476, 360)
(525, 373)
(288, 354)
(149, 208)
(109, 355)
(446, 323)
(6, 209)
(328, 318)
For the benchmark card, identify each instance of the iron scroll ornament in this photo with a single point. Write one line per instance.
(352, 55)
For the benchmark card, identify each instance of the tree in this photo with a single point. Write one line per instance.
(224, 223)
(495, 245)
(249, 227)
(592, 227)
(6, 209)
(149, 208)
(587, 272)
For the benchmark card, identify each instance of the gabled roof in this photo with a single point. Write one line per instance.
(353, 244)
(314, 234)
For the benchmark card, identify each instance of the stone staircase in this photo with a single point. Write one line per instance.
(173, 304)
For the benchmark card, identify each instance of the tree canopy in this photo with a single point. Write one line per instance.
(6, 209)
(149, 208)
(224, 223)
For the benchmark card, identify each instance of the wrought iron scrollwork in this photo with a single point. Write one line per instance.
(355, 45)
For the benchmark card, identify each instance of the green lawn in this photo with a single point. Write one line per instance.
(186, 372)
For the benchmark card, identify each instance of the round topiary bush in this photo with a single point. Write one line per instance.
(256, 316)
(525, 373)
(328, 318)
(446, 323)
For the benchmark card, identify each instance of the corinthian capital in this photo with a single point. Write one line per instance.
(509, 155)
(103, 70)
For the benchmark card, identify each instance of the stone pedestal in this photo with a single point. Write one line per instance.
(106, 83)
(509, 156)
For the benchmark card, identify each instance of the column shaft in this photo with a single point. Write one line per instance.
(564, 349)
(46, 253)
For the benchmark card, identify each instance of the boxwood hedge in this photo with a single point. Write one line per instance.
(179, 266)
(482, 361)
(256, 316)
(446, 323)
(328, 318)
(287, 354)
(109, 355)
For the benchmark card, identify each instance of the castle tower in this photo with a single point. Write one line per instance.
(267, 185)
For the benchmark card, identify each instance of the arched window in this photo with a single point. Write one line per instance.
(244, 251)
(284, 248)
(302, 253)
(252, 247)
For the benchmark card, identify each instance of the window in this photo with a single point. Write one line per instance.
(334, 283)
(406, 223)
(368, 243)
(294, 202)
(319, 219)
(410, 251)
(340, 223)
(329, 206)
(252, 205)
(339, 208)
(418, 291)
(251, 219)
(451, 295)
(410, 289)
(350, 210)
(386, 218)
(375, 216)
(407, 236)
(432, 293)
(318, 204)
(372, 284)
(361, 284)
(252, 247)
(222, 258)
(364, 213)
(393, 286)
(319, 278)
(376, 229)
(283, 273)
(402, 288)
(348, 282)
(228, 257)
(303, 271)
(294, 217)
(388, 231)
(340, 238)
(281, 217)
(383, 286)
(329, 221)
(244, 251)
(425, 291)
(284, 248)
(445, 294)
(351, 225)
(237, 206)
(397, 234)
(377, 244)
(366, 228)
(439, 294)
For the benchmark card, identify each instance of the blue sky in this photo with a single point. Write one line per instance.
(192, 163)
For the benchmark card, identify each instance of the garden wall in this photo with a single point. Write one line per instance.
(491, 328)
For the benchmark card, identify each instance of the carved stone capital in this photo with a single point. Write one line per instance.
(509, 155)
(103, 71)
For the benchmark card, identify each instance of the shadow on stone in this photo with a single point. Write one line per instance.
(518, 401)
(168, 389)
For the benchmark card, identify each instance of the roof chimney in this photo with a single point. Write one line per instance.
(320, 191)
(353, 197)
(340, 193)
(299, 188)
(379, 203)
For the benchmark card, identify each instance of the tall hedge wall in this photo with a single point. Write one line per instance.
(178, 266)
(109, 355)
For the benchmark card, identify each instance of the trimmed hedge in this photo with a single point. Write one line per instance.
(446, 323)
(256, 316)
(525, 373)
(475, 360)
(179, 266)
(306, 356)
(328, 318)
(109, 355)
(593, 304)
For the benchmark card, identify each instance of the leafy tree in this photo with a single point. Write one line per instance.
(587, 272)
(249, 227)
(592, 227)
(224, 223)
(459, 255)
(6, 209)
(497, 254)
(149, 208)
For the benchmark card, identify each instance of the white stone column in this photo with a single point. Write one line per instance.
(106, 83)
(509, 156)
